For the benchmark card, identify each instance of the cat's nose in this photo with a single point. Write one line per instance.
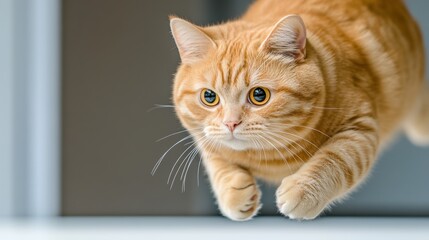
(232, 125)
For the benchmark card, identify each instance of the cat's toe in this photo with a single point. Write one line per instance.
(298, 199)
(241, 203)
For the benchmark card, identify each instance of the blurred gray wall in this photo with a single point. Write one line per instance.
(118, 62)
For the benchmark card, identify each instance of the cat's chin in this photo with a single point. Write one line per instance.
(237, 144)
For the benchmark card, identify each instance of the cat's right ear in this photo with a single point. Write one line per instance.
(192, 42)
(287, 39)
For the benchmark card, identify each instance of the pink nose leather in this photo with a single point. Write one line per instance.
(232, 125)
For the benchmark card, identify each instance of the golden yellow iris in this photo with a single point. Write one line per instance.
(259, 95)
(209, 97)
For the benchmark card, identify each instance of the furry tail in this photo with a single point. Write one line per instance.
(417, 127)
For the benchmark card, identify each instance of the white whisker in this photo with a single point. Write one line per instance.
(284, 147)
(263, 150)
(181, 155)
(328, 108)
(180, 165)
(281, 154)
(213, 147)
(186, 168)
(314, 145)
(178, 132)
(293, 125)
(288, 141)
(198, 170)
(158, 106)
(196, 151)
(257, 149)
(162, 157)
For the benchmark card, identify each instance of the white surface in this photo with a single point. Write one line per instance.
(216, 228)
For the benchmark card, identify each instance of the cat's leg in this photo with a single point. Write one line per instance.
(335, 169)
(417, 126)
(236, 191)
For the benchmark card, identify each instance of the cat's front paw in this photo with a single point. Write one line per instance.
(241, 200)
(300, 197)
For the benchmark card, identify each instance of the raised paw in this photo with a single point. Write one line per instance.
(240, 202)
(300, 198)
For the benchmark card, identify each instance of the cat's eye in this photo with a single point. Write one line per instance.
(209, 97)
(259, 96)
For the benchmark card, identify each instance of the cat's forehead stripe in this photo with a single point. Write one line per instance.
(232, 72)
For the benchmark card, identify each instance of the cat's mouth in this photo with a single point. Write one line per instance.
(233, 137)
(236, 142)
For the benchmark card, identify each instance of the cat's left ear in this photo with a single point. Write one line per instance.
(287, 39)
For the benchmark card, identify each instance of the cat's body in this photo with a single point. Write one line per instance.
(341, 79)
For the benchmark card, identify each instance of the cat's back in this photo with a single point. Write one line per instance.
(335, 9)
(347, 15)
(384, 18)
(376, 43)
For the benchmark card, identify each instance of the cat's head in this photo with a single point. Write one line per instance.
(243, 86)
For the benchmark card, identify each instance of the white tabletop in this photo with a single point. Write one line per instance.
(216, 228)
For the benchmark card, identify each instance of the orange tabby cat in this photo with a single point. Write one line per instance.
(303, 94)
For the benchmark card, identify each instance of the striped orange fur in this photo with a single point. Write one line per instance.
(343, 76)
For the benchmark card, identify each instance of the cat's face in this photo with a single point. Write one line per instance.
(232, 93)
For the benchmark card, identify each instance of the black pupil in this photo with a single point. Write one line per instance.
(259, 94)
(209, 96)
